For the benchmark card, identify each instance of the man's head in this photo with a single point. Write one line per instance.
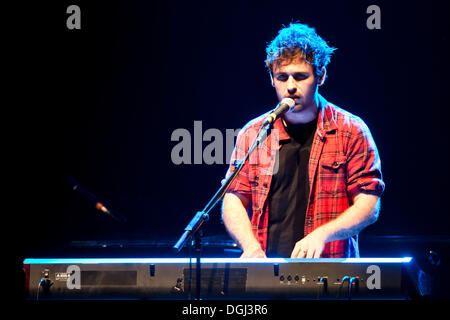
(299, 41)
(297, 60)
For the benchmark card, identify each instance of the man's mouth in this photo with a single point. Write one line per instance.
(297, 107)
(295, 98)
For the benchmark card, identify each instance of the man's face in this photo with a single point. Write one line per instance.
(296, 80)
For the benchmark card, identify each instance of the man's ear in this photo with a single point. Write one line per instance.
(321, 80)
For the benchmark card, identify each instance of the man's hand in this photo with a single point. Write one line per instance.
(310, 246)
(255, 252)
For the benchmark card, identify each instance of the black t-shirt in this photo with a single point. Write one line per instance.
(289, 191)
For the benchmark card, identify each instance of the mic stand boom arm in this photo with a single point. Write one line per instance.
(202, 216)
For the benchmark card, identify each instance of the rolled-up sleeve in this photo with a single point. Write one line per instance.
(363, 163)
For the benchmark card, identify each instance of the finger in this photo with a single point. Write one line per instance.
(310, 253)
(317, 254)
(261, 254)
(296, 251)
(302, 253)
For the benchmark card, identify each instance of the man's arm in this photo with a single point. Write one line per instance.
(362, 213)
(364, 185)
(235, 218)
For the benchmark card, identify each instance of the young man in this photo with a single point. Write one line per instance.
(322, 183)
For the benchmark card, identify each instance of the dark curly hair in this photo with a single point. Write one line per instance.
(299, 41)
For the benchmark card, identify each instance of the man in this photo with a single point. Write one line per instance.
(322, 183)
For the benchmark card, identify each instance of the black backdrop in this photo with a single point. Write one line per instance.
(101, 103)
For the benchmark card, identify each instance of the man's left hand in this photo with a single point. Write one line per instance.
(310, 246)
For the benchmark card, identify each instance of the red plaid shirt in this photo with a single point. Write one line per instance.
(344, 161)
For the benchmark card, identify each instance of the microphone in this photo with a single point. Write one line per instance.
(281, 108)
(74, 186)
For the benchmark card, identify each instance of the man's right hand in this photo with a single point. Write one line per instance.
(254, 253)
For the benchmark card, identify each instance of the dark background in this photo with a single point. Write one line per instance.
(100, 104)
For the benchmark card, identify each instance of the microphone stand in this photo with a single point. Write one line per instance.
(191, 230)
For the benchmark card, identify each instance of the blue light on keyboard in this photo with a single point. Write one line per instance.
(378, 260)
(211, 260)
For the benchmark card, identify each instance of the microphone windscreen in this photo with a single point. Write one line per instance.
(290, 102)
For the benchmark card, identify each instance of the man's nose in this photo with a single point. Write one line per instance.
(291, 87)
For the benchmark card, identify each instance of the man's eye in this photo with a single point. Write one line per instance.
(282, 77)
(299, 77)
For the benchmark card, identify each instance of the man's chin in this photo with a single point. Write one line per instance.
(297, 108)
